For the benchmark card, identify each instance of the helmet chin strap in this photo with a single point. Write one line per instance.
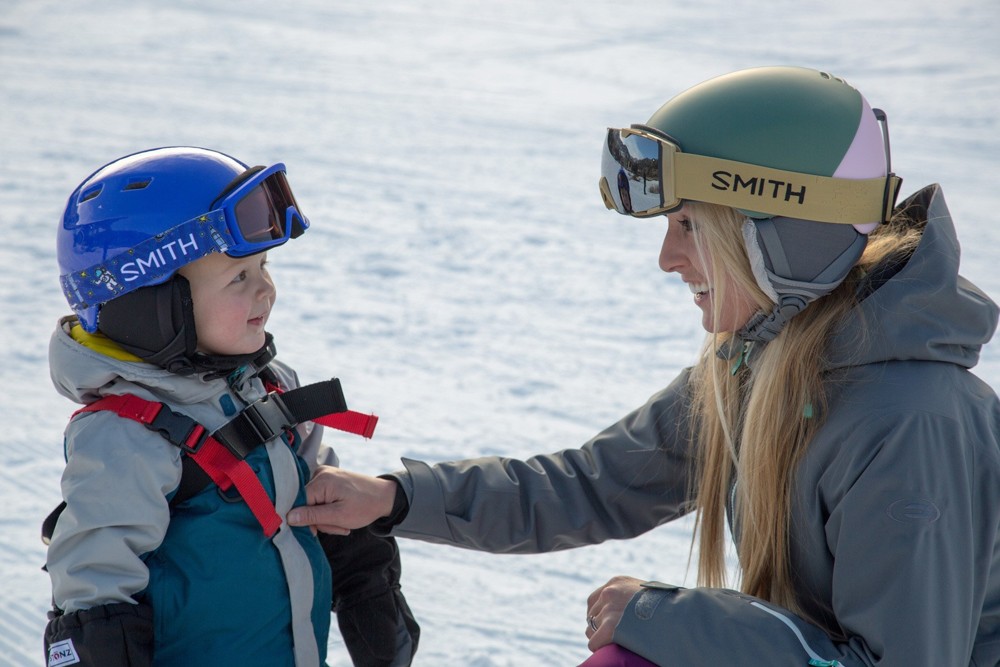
(221, 365)
(762, 328)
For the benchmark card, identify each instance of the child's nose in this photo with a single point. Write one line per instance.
(266, 289)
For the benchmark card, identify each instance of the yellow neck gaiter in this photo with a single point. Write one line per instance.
(101, 343)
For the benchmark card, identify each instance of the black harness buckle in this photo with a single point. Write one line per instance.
(179, 429)
(256, 424)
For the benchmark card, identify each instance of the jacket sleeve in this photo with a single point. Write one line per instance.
(911, 532)
(375, 621)
(628, 479)
(116, 485)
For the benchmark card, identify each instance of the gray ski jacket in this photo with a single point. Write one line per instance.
(895, 546)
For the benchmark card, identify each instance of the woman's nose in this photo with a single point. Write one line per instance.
(670, 256)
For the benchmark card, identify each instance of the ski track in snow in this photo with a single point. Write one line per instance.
(461, 276)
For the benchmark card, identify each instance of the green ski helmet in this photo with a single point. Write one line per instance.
(798, 151)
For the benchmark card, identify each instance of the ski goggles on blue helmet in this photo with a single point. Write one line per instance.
(645, 173)
(254, 213)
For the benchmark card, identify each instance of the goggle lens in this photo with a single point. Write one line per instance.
(631, 181)
(256, 217)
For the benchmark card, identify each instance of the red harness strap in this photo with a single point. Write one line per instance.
(221, 455)
(211, 456)
(349, 421)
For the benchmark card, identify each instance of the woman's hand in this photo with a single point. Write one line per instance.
(605, 607)
(341, 500)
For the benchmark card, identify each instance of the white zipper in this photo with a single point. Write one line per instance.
(814, 658)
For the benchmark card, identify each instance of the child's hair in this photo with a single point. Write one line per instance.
(758, 419)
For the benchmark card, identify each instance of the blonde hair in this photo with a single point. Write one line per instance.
(758, 420)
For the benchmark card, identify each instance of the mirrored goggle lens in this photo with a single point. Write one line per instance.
(631, 181)
(266, 214)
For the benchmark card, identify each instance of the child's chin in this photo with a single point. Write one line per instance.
(253, 347)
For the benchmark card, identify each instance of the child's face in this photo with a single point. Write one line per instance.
(232, 301)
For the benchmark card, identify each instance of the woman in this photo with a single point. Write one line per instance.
(830, 422)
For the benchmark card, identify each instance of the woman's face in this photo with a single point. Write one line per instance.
(679, 254)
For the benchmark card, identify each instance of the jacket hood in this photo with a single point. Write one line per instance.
(83, 374)
(926, 311)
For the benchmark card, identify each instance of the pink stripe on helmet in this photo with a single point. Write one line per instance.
(865, 158)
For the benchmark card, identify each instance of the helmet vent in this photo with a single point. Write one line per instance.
(137, 183)
(91, 193)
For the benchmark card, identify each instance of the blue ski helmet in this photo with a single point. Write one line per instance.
(135, 221)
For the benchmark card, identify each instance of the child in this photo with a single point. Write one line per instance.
(194, 441)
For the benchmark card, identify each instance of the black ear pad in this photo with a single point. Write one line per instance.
(155, 323)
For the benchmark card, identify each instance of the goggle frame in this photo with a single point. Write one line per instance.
(765, 191)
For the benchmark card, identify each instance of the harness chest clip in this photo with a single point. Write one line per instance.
(179, 429)
(256, 424)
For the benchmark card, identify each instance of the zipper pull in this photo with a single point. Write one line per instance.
(740, 359)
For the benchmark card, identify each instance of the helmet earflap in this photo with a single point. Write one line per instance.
(796, 262)
(165, 334)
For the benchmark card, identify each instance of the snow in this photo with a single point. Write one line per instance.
(462, 276)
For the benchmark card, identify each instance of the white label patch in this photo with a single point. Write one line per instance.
(63, 653)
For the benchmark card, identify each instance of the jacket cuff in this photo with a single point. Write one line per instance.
(112, 635)
(426, 516)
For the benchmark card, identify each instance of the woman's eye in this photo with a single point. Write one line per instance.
(685, 225)
(240, 277)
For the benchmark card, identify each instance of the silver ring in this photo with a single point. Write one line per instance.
(592, 623)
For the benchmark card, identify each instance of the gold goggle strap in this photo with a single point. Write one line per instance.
(776, 191)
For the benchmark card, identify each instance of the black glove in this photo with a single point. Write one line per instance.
(112, 635)
(374, 619)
